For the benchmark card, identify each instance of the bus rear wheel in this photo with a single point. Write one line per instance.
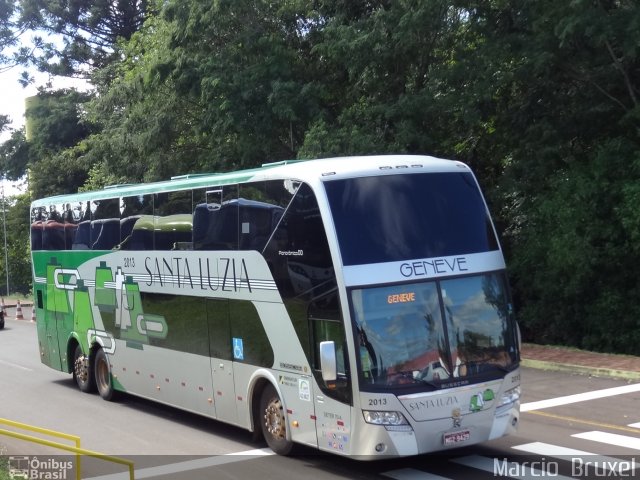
(82, 373)
(274, 422)
(104, 380)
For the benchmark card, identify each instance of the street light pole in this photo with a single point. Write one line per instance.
(4, 226)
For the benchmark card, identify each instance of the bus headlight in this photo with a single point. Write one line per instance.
(388, 419)
(509, 397)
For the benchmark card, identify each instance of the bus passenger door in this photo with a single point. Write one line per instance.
(221, 354)
(43, 327)
(57, 315)
(334, 398)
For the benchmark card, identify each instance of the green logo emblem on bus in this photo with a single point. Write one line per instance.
(117, 299)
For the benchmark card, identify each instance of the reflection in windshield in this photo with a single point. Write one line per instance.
(403, 339)
(477, 322)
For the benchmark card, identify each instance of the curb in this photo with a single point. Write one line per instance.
(580, 369)
(14, 305)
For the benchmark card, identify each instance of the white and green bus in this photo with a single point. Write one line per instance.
(356, 305)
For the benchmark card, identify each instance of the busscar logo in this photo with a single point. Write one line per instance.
(34, 468)
(291, 253)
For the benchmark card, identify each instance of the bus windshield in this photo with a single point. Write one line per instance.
(440, 333)
(389, 218)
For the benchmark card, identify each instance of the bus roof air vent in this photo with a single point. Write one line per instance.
(192, 175)
(281, 162)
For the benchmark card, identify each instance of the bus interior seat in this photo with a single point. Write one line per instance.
(53, 235)
(36, 235)
(70, 229)
(107, 233)
(126, 226)
(81, 240)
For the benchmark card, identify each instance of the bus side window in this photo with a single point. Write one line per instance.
(300, 261)
(53, 237)
(38, 217)
(173, 222)
(76, 227)
(105, 224)
(261, 207)
(136, 223)
(215, 218)
(257, 220)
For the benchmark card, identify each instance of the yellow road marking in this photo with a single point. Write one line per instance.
(585, 422)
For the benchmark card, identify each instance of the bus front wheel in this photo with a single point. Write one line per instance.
(104, 380)
(274, 422)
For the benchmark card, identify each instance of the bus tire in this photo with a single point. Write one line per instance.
(273, 421)
(102, 373)
(82, 371)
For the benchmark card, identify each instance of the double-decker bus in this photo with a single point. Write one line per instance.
(358, 305)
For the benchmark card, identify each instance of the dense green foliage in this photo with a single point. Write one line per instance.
(540, 98)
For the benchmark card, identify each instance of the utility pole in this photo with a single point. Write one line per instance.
(4, 227)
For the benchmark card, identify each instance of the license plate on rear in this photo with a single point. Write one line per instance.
(456, 437)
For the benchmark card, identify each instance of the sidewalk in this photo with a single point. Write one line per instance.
(581, 361)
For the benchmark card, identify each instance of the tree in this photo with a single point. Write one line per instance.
(54, 120)
(89, 31)
(540, 98)
(10, 33)
(16, 216)
(564, 123)
(207, 86)
(14, 155)
(248, 65)
(380, 65)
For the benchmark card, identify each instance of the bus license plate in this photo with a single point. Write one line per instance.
(456, 437)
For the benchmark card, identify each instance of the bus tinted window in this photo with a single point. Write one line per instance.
(105, 224)
(398, 217)
(53, 237)
(173, 221)
(299, 257)
(136, 225)
(298, 251)
(246, 325)
(261, 208)
(215, 218)
(73, 216)
(38, 218)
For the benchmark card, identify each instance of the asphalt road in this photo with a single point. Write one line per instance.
(562, 420)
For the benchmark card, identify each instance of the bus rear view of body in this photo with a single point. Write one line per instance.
(358, 305)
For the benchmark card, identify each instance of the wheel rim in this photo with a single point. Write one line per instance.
(81, 369)
(274, 420)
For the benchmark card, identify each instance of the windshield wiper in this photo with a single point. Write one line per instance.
(500, 367)
(435, 385)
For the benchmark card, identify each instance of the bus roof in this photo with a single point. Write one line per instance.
(303, 170)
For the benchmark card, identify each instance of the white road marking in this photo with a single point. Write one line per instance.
(513, 469)
(572, 455)
(189, 465)
(15, 365)
(579, 397)
(546, 449)
(610, 439)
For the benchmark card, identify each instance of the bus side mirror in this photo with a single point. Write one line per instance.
(328, 361)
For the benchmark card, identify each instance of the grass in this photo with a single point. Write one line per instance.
(4, 468)
(12, 297)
